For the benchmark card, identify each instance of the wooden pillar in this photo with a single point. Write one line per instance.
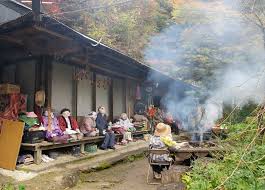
(16, 74)
(48, 80)
(126, 96)
(74, 94)
(1, 74)
(36, 4)
(111, 100)
(38, 72)
(94, 91)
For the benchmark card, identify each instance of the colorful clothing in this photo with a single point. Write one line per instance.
(117, 128)
(156, 143)
(151, 112)
(127, 125)
(88, 127)
(29, 121)
(55, 129)
(63, 124)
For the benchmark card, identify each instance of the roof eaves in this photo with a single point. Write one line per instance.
(15, 6)
(49, 23)
(104, 47)
(22, 21)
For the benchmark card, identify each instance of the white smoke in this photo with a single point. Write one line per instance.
(239, 81)
(238, 86)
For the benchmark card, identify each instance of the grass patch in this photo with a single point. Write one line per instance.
(242, 165)
(10, 186)
(103, 166)
(134, 157)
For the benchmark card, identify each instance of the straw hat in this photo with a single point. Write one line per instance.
(162, 130)
(40, 98)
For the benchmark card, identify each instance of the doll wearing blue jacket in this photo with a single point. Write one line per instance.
(102, 126)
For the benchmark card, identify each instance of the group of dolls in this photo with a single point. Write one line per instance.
(61, 128)
(123, 126)
(65, 127)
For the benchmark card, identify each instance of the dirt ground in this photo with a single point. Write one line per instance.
(130, 175)
(122, 176)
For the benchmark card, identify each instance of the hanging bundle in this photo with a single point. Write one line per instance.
(98, 83)
(81, 74)
(40, 98)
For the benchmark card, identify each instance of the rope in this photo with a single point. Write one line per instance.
(241, 158)
(98, 42)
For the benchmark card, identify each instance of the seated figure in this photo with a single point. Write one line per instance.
(127, 126)
(53, 131)
(169, 120)
(140, 122)
(88, 126)
(102, 126)
(126, 123)
(116, 127)
(161, 131)
(69, 125)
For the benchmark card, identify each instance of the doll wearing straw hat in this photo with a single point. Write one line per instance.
(162, 130)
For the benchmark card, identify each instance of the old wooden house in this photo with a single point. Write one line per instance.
(76, 72)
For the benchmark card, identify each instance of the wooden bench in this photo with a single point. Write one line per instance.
(37, 148)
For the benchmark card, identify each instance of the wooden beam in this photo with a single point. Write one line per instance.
(13, 53)
(82, 62)
(11, 40)
(138, 67)
(52, 33)
(51, 47)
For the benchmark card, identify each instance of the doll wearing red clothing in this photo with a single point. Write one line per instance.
(69, 125)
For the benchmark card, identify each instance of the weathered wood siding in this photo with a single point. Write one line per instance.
(62, 87)
(119, 97)
(84, 97)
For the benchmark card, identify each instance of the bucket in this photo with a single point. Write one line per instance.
(91, 148)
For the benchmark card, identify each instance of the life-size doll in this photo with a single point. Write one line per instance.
(69, 125)
(140, 122)
(118, 129)
(88, 126)
(102, 126)
(127, 126)
(53, 131)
